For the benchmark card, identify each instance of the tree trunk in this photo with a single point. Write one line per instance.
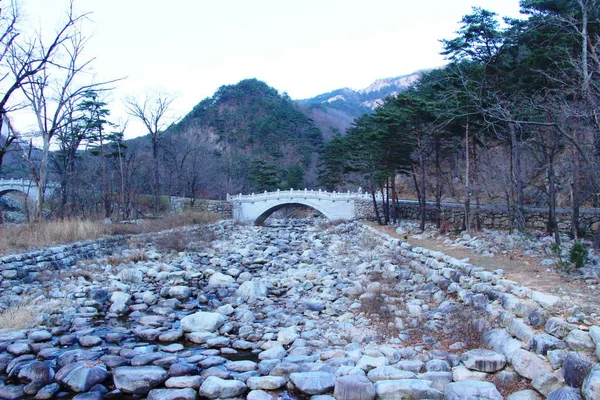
(377, 217)
(41, 182)
(467, 202)
(519, 213)
(156, 175)
(438, 185)
(423, 196)
(476, 187)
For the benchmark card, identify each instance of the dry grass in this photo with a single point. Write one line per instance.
(48, 234)
(19, 316)
(508, 388)
(31, 236)
(138, 256)
(183, 241)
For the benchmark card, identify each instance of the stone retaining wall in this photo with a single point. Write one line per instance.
(547, 349)
(492, 217)
(222, 208)
(20, 266)
(26, 266)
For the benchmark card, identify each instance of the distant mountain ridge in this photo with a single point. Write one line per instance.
(334, 112)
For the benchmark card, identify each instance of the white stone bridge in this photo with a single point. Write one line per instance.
(255, 208)
(25, 186)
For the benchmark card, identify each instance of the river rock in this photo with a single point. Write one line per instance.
(172, 394)
(472, 390)
(544, 342)
(527, 394)
(252, 289)
(219, 279)
(313, 382)
(565, 393)
(36, 372)
(591, 385)
(202, 321)
(575, 369)
(215, 388)
(557, 327)
(265, 382)
(138, 380)
(528, 364)
(579, 340)
(80, 376)
(389, 373)
(354, 387)
(406, 389)
(483, 360)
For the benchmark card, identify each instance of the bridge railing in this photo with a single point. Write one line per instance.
(24, 183)
(321, 194)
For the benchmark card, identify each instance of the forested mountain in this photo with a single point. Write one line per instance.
(256, 139)
(334, 112)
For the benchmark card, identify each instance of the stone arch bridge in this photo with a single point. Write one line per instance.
(25, 186)
(256, 208)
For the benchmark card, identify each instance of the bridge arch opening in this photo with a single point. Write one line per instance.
(291, 209)
(15, 206)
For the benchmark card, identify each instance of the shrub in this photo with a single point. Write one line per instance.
(376, 308)
(578, 254)
(467, 325)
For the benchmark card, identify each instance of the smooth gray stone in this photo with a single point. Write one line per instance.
(575, 369)
(483, 360)
(313, 382)
(591, 385)
(407, 388)
(215, 388)
(472, 390)
(80, 376)
(138, 380)
(172, 394)
(565, 393)
(354, 387)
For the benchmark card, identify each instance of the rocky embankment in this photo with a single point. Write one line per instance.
(289, 311)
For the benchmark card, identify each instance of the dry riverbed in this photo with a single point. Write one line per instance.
(292, 310)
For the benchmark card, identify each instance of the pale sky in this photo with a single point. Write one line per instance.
(304, 47)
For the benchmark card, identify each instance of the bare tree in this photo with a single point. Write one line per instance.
(53, 89)
(22, 59)
(152, 112)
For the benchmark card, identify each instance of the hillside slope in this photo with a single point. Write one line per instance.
(250, 121)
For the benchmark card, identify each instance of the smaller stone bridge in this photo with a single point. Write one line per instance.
(25, 186)
(256, 208)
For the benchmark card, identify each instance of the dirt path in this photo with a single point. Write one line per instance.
(520, 268)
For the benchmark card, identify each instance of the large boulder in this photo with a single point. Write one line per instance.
(483, 360)
(529, 365)
(172, 394)
(579, 340)
(219, 279)
(81, 376)
(354, 387)
(202, 321)
(527, 394)
(591, 385)
(407, 389)
(313, 382)
(565, 393)
(252, 289)
(217, 388)
(265, 382)
(471, 390)
(575, 369)
(138, 380)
